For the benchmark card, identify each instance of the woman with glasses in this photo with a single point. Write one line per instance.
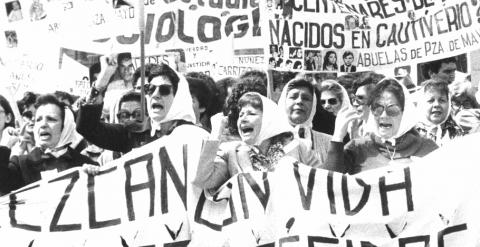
(333, 96)
(393, 138)
(169, 105)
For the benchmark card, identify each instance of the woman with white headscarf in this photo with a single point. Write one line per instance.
(55, 135)
(436, 123)
(392, 139)
(298, 101)
(266, 138)
(169, 106)
(333, 97)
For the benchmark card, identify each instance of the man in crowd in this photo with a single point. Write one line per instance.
(442, 69)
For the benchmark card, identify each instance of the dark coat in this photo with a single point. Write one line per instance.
(26, 169)
(115, 137)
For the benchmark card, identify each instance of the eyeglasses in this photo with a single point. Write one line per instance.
(391, 110)
(28, 115)
(331, 101)
(359, 99)
(124, 115)
(163, 89)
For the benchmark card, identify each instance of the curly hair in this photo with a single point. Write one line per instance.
(231, 110)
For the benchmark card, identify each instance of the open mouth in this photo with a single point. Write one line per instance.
(246, 130)
(385, 125)
(44, 135)
(437, 113)
(298, 111)
(157, 106)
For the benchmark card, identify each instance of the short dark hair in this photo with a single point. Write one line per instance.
(300, 82)
(64, 95)
(247, 84)
(8, 110)
(94, 69)
(258, 74)
(388, 85)
(29, 98)
(200, 90)
(124, 56)
(130, 96)
(51, 99)
(434, 66)
(346, 54)
(222, 86)
(164, 70)
(214, 105)
(137, 74)
(369, 80)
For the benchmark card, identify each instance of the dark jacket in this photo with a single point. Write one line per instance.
(26, 169)
(343, 68)
(370, 152)
(115, 137)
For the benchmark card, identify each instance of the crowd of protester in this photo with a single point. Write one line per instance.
(373, 122)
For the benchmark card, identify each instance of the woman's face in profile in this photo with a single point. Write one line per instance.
(388, 114)
(249, 123)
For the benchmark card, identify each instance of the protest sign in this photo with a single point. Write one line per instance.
(146, 199)
(388, 37)
(140, 199)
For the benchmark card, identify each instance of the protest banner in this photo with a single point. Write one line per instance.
(146, 199)
(396, 34)
(140, 200)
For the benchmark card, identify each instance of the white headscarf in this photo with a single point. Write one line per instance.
(68, 138)
(409, 118)
(307, 125)
(182, 105)
(273, 120)
(345, 97)
(423, 107)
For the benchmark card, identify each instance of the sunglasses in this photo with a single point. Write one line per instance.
(331, 101)
(28, 115)
(391, 110)
(163, 89)
(359, 99)
(125, 115)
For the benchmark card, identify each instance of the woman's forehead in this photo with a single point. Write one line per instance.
(387, 98)
(161, 80)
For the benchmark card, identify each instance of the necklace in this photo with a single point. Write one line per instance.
(392, 155)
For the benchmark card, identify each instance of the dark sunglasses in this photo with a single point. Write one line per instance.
(391, 110)
(359, 99)
(163, 89)
(125, 115)
(28, 115)
(331, 101)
